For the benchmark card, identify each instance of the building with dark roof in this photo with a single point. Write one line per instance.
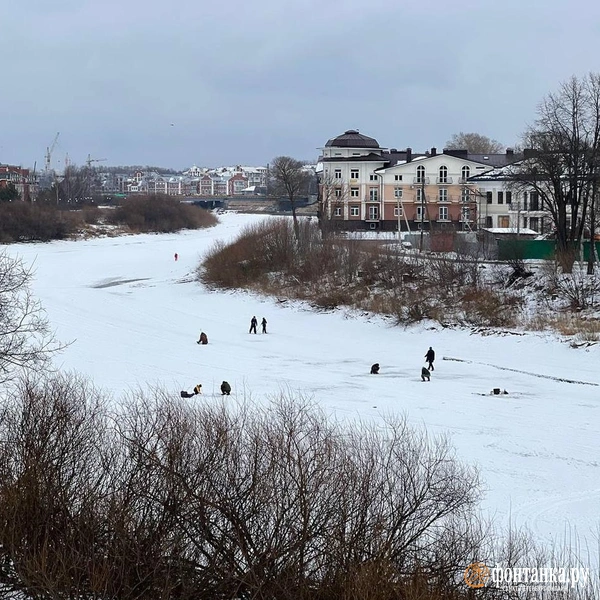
(367, 186)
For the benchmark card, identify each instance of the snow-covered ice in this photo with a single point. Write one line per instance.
(134, 314)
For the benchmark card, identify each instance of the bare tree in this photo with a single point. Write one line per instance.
(290, 178)
(25, 337)
(474, 143)
(332, 195)
(564, 168)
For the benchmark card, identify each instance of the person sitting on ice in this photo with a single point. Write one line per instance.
(197, 390)
(203, 339)
(425, 374)
(375, 369)
(225, 389)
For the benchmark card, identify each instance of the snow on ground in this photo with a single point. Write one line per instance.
(134, 315)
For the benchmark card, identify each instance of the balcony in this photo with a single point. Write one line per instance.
(443, 180)
(421, 180)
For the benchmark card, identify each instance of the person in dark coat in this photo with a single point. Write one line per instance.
(253, 324)
(264, 325)
(430, 357)
(375, 369)
(225, 389)
(425, 374)
(203, 339)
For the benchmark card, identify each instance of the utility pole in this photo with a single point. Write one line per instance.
(422, 212)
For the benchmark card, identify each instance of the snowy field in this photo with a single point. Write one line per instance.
(134, 315)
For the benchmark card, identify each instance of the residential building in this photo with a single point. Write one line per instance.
(503, 205)
(370, 187)
(22, 179)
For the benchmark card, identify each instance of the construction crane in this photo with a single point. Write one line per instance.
(50, 150)
(91, 160)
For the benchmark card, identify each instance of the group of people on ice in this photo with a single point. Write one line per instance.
(254, 323)
(425, 371)
(203, 340)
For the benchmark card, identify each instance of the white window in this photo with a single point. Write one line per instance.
(373, 194)
(354, 211)
(466, 195)
(465, 173)
(354, 192)
(373, 213)
(372, 177)
(420, 195)
(398, 192)
(338, 192)
(443, 175)
(337, 211)
(443, 195)
(338, 173)
(397, 177)
(398, 211)
(465, 214)
(353, 173)
(420, 174)
(420, 212)
(443, 214)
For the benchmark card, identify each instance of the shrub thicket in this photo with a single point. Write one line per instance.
(160, 213)
(267, 257)
(23, 222)
(172, 500)
(161, 498)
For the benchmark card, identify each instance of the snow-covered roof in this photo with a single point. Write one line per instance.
(511, 230)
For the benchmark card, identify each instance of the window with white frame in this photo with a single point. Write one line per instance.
(443, 174)
(354, 211)
(465, 213)
(373, 194)
(398, 212)
(353, 173)
(420, 174)
(354, 192)
(443, 213)
(420, 195)
(373, 177)
(338, 192)
(337, 211)
(420, 212)
(466, 195)
(397, 177)
(398, 192)
(443, 195)
(373, 213)
(338, 173)
(465, 173)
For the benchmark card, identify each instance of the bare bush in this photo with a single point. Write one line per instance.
(22, 221)
(166, 499)
(160, 213)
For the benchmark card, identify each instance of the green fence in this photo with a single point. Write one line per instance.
(534, 249)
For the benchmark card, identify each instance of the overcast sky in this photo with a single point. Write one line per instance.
(216, 83)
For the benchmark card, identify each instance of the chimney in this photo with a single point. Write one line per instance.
(433, 151)
(509, 152)
(409, 155)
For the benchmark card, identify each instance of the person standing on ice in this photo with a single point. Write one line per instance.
(264, 325)
(176, 256)
(430, 357)
(253, 324)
